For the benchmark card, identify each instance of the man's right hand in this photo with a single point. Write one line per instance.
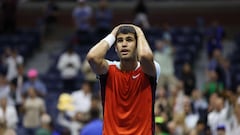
(114, 31)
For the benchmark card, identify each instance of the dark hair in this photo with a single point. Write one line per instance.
(94, 112)
(126, 30)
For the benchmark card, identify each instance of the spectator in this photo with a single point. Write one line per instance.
(5, 87)
(191, 118)
(5, 131)
(82, 16)
(216, 64)
(189, 79)
(82, 99)
(89, 75)
(17, 86)
(141, 15)
(215, 35)
(180, 126)
(172, 128)
(219, 115)
(199, 129)
(161, 102)
(69, 65)
(73, 123)
(221, 130)
(35, 82)
(33, 108)
(225, 74)
(176, 98)
(235, 129)
(212, 85)
(8, 114)
(6, 53)
(167, 36)
(199, 104)
(103, 18)
(46, 126)
(12, 61)
(160, 126)
(94, 126)
(164, 56)
(215, 60)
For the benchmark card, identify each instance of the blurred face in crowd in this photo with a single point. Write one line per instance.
(159, 44)
(217, 54)
(196, 94)
(219, 104)
(200, 126)
(162, 93)
(187, 105)
(180, 84)
(86, 88)
(186, 68)
(20, 69)
(79, 116)
(213, 76)
(32, 92)
(3, 80)
(174, 91)
(172, 127)
(212, 100)
(221, 132)
(3, 102)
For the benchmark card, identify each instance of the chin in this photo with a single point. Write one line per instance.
(126, 58)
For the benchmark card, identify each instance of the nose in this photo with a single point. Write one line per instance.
(124, 44)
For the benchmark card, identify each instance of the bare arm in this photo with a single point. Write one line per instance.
(145, 54)
(96, 55)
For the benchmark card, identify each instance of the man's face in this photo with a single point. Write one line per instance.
(126, 46)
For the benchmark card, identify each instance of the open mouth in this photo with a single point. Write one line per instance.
(124, 51)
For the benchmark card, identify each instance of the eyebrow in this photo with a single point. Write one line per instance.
(129, 37)
(119, 38)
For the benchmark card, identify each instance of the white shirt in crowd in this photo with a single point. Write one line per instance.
(63, 65)
(220, 118)
(10, 116)
(82, 101)
(12, 66)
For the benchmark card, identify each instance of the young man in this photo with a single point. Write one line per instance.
(128, 86)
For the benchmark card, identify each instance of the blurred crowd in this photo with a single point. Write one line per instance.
(181, 107)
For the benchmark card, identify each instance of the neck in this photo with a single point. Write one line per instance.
(128, 65)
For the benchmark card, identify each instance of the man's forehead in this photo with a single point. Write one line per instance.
(121, 35)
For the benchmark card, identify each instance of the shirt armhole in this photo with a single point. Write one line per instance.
(158, 70)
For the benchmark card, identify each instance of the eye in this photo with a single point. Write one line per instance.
(119, 40)
(129, 39)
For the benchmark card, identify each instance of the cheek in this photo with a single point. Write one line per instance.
(116, 48)
(133, 45)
